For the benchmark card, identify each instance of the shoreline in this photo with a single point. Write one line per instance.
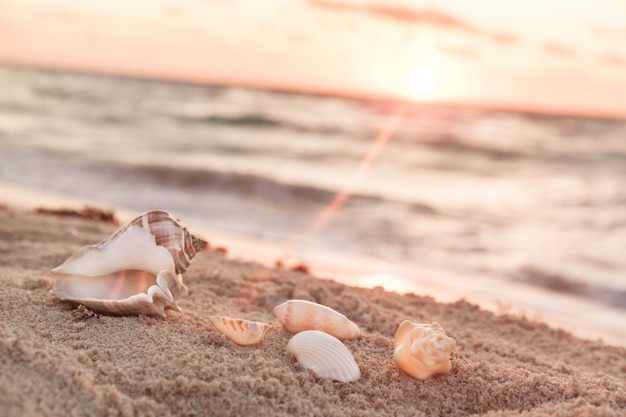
(578, 316)
(56, 362)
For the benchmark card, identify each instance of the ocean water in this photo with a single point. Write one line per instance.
(524, 210)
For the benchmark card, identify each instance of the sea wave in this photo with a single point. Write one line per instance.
(249, 185)
(465, 188)
(564, 284)
(261, 121)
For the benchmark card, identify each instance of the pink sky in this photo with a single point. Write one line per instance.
(558, 54)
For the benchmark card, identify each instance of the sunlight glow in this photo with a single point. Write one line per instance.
(390, 282)
(422, 84)
(459, 52)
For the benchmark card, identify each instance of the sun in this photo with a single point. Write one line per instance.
(422, 84)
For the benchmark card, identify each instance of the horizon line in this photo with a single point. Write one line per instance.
(343, 94)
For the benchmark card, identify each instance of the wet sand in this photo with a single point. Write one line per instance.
(57, 360)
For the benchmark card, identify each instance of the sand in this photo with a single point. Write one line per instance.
(59, 361)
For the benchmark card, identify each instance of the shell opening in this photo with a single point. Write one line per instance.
(136, 270)
(115, 286)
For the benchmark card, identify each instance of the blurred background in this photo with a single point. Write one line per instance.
(455, 149)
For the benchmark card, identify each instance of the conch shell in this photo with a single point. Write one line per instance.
(300, 315)
(422, 350)
(136, 270)
(325, 355)
(240, 331)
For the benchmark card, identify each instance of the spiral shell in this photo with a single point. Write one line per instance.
(300, 315)
(325, 355)
(161, 229)
(422, 350)
(140, 263)
(240, 331)
(124, 293)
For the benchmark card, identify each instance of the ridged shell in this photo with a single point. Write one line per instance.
(300, 315)
(121, 274)
(160, 229)
(240, 331)
(422, 350)
(124, 293)
(325, 355)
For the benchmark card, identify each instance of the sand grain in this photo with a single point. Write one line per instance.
(54, 362)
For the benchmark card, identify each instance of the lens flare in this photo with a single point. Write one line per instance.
(326, 214)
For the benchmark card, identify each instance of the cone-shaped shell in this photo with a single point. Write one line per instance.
(144, 244)
(300, 315)
(422, 350)
(123, 293)
(121, 274)
(240, 331)
(325, 355)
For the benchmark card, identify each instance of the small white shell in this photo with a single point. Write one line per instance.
(422, 350)
(325, 355)
(243, 332)
(300, 315)
(139, 264)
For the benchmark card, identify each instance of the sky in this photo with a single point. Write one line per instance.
(554, 55)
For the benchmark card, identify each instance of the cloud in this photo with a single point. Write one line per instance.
(400, 14)
(459, 51)
(65, 16)
(615, 59)
(558, 49)
(412, 16)
(609, 33)
(172, 12)
(503, 38)
(298, 37)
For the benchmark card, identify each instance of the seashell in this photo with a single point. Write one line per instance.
(243, 332)
(142, 244)
(300, 315)
(126, 270)
(123, 293)
(325, 355)
(422, 350)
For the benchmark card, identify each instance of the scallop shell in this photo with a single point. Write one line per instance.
(422, 350)
(121, 274)
(300, 315)
(325, 355)
(243, 332)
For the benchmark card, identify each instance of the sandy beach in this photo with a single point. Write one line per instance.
(56, 360)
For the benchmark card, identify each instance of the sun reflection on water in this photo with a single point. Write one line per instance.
(389, 282)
